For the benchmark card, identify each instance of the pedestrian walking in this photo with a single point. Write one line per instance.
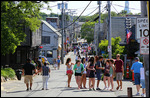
(74, 50)
(27, 70)
(136, 68)
(98, 70)
(55, 64)
(69, 70)
(107, 75)
(58, 63)
(83, 78)
(119, 69)
(112, 71)
(142, 80)
(91, 68)
(86, 58)
(78, 68)
(45, 75)
(38, 64)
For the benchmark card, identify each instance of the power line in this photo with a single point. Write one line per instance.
(92, 11)
(74, 20)
(124, 6)
(79, 15)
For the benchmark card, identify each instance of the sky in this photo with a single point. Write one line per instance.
(117, 6)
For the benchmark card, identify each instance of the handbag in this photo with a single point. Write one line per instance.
(88, 71)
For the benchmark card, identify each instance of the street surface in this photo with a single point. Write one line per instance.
(58, 86)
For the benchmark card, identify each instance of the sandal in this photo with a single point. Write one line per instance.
(42, 88)
(117, 88)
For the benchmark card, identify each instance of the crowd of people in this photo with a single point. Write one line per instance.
(103, 69)
(89, 67)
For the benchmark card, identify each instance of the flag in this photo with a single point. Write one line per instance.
(129, 33)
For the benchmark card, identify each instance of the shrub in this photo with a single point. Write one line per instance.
(3, 73)
(7, 72)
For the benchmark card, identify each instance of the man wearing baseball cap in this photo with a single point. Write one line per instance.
(136, 68)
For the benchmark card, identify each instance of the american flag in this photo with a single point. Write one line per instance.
(129, 33)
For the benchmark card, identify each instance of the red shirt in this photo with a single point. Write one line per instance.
(119, 64)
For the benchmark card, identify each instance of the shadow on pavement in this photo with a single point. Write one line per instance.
(23, 91)
(122, 96)
(67, 89)
(17, 91)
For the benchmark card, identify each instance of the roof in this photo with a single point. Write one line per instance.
(51, 17)
(52, 28)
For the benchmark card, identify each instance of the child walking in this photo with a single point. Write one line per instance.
(107, 75)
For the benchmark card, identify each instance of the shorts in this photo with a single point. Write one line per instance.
(142, 82)
(118, 75)
(107, 74)
(137, 78)
(98, 76)
(111, 75)
(92, 74)
(55, 65)
(69, 72)
(28, 78)
(78, 74)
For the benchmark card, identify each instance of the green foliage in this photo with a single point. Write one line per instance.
(7, 72)
(116, 48)
(87, 31)
(15, 15)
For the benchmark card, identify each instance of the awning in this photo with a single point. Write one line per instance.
(137, 52)
(59, 47)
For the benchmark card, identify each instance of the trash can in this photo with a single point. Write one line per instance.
(18, 74)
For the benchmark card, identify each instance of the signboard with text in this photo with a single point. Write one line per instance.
(142, 28)
(144, 45)
(109, 48)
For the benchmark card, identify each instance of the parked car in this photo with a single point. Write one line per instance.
(43, 59)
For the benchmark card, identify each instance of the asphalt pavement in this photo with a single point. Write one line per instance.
(57, 85)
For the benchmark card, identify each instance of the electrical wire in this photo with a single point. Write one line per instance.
(104, 8)
(124, 6)
(92, 11)
(74, 20)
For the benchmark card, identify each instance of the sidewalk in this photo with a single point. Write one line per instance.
(58, 86)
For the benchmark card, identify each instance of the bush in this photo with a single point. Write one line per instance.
(8, 73)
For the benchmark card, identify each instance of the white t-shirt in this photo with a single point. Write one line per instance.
(142, 75)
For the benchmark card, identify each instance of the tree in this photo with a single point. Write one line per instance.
(43, 15)
(116, 48)
(87, 31)
(15, 15)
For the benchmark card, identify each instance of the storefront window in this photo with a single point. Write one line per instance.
(42, 53)
(50, 53)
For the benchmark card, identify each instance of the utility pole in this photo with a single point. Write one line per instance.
(98, 33)
(109, 30)
(62, 50)
(64, 28)
(62, 6)
(145, 57)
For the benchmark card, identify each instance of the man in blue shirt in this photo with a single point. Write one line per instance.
(136, 68)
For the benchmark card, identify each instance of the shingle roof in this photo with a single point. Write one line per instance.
(52, 28)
